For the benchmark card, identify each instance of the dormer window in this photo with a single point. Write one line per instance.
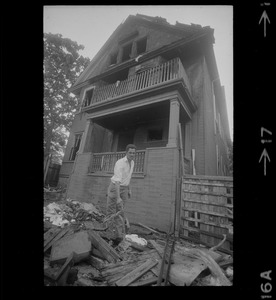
(113, 58)
(126, 52)
(141, 45)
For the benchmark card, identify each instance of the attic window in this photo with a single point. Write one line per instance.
(126, 52)
(113, 58)
(155, 134)
(141, 45)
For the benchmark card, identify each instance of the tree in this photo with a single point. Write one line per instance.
(62, 65)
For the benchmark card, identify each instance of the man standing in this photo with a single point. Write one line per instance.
(119, 191)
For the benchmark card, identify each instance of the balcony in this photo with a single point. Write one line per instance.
(105, 162)
(169, 71)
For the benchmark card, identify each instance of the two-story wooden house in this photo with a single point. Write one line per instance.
(147, 78)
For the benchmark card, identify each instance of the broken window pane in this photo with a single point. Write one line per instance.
(126, 52)
(141, 46)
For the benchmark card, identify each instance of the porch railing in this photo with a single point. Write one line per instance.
(170, 70)
(105, 162)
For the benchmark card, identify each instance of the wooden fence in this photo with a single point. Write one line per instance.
(207, 209)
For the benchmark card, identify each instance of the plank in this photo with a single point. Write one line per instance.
(68, 263)
(50, 234)
(212, 265)
(157, 247)
(137, 273)
(57, 237)
(109, 253)
(145, 282)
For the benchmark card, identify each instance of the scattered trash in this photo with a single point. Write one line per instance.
(134, 238)
(80, 249)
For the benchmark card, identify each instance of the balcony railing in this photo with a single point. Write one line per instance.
(162, 73)
(105, 162)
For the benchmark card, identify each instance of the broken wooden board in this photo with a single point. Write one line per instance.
(145, 282)
(113, 272)
(110, 254)
(50, 234)
(57, 237)
(68, 263)
(77, 242)
(96, 262)
(183, 271)
(212, 265)
(137, 273)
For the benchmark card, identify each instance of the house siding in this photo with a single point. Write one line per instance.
(209, 131)
(196, 75)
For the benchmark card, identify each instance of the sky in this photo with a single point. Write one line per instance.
(92, 25)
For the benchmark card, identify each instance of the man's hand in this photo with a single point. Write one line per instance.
(129, 193)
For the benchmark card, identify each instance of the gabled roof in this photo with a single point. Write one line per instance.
(187, 31)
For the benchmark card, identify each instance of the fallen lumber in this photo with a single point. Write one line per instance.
(157, 247)
(142, 256)
(56, 238)
(219, 244)
(211, 264)
(145, 282)
(50, 234)
(149, 228)
(95, 262)
(64, 270)
(108, 252)
(136, 273)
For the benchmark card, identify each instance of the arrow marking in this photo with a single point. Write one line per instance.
(265, 155)
(264, 129)
(265, 18)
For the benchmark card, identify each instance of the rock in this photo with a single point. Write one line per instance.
(77, 242)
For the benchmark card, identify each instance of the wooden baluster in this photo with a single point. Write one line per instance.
(142, 78)
(157, 74)
(170, 70)
(137, 81)
(161, 73)
(146, 82)
(150, 76)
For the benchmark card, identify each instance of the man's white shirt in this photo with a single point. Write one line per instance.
(123, 171)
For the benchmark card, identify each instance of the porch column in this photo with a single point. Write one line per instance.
(86, 138)
(173, 122)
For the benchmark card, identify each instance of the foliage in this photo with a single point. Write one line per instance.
(62, 66)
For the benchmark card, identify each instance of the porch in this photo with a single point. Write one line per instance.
(145, 78)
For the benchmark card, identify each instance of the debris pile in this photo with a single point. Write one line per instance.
(80, 250)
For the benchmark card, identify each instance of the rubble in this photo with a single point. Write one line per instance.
(80, 250)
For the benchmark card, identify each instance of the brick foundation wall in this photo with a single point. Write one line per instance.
(153, 196)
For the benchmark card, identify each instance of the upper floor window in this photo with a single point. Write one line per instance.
(126, 52)
(113, 58)
(141, 45)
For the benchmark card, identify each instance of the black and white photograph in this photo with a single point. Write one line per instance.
(138, 145)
